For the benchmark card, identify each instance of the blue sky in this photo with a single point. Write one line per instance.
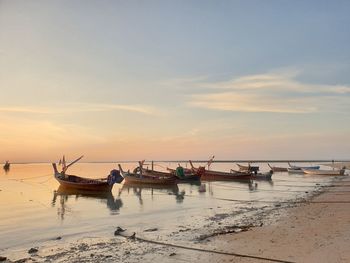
(174, 79)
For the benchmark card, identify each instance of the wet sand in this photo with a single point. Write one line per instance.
(318, 231)
(315, 232)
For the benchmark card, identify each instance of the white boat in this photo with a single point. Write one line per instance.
(324, 172)
(300, 169)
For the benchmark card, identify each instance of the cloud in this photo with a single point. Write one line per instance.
(274, 92)
(80, 107)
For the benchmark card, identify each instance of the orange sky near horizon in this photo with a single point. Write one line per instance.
(115, 81)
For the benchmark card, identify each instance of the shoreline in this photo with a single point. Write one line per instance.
(317, 231)
(301, 232)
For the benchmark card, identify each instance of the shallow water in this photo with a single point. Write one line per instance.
(34, 210)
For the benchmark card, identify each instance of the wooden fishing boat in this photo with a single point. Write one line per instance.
(181, 176)
(186, 170)
(82, 183)
(277, 169)
(248, 168)
(210, 175)
(180, 173)
(324, 172)
(255, 176)
(139, 178)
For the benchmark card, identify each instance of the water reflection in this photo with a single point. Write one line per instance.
(64, 194)
(137, 190)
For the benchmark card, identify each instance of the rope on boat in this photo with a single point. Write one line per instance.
(203, 250)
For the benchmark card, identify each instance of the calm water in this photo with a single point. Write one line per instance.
(34, 210)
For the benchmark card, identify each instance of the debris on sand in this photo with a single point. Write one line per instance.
(150, 230)
(33, 250)
(118, 231)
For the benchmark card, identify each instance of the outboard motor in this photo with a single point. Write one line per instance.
(115, 177)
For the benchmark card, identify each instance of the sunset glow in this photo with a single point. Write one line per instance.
(130, 80)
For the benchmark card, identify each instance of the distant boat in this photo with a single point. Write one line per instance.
(299, 169)
(7, 166)
(324, 172)
(277, 169)
(82, 183)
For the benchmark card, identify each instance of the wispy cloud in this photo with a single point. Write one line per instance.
(81, 107)
(274, 92)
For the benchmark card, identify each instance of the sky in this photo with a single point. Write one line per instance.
(170, 80)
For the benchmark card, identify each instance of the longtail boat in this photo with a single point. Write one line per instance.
(88, 184)
(139, 178)
(324, 172)
(303, 167)
(180, 173)
(277, 169)
(299, 169)
(256, 176)
(248, 168)
(181, 176)
(210, 175)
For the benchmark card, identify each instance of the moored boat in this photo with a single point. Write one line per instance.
(324, 172)
(303, 167)
(82, 183)
(179, 173)
(88, 184)
(210, 175)
(139, 178)
(299, 169)
(277, 169)
(255, 176)
(248, 168)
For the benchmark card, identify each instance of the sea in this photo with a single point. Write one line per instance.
(35, 211)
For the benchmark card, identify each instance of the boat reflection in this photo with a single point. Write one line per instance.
(64, 194)
(137, 190)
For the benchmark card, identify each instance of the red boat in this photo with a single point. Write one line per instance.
(210, 175)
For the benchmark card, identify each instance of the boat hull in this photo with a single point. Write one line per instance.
(85, 184)
(152, 180)
(324, 172)
(223, 176)
(278, 169)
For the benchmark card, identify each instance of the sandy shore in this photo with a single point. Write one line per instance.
(318, 231)
(315, 232)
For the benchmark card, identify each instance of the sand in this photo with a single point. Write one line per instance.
(315, 232)
(318, 231)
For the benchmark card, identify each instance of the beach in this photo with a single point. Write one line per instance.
(312, 232)
(315, 228)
